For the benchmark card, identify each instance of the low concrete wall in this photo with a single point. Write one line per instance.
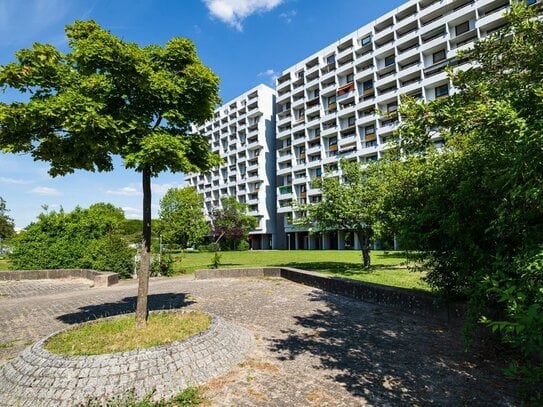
(413, 302)
(235, 273)
(100, 278)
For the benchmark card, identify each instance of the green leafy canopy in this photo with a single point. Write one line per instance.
(109, 97)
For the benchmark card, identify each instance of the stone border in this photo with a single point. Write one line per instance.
(413, 302)
(99, 278)
(38, 377)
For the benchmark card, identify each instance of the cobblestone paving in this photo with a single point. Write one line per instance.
(32, 288)
(311, 348)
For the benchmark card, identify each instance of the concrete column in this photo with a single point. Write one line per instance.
(356, 242)
(325, 241)
(311, 242)
(296, 241)
(341, 240)
(396, 244)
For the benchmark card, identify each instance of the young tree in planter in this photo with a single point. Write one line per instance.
(182, 217)
(350, 202)
(109, 97)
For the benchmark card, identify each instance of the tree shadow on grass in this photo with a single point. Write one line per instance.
(126, 305)
(384, 357)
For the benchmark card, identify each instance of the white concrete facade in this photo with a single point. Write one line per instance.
(342, 101)
(243, 134)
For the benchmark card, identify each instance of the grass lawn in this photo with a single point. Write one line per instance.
(3, 264)
(386, 266)
(120, 334)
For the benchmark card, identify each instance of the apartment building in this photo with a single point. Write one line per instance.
(243, 133)
(342, 101)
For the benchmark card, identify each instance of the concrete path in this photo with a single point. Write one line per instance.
(312, 348)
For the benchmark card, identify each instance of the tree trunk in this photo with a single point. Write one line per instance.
(145, 261)
(365, 248)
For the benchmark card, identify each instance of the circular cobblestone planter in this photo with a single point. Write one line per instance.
(38, 377)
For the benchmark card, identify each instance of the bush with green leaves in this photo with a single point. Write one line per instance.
(473, 209)
(83, 238)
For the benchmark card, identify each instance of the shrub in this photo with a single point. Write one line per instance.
(162, 265)
(112, 253)
(243, 245)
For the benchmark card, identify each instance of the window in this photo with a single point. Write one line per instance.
(300, 74)
(442, 91)
(389, 60)
(318, 172)
(367, 85)
(462, 28)
(365, 41)
(330, 59)
(372, 143)
(351, 121)
(333, 141)
(350, 78)
(439, 56)
(392, 107)
(331, 100)
(369, 130)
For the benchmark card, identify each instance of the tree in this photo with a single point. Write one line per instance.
(7, 227)
(476, 213)
(182, 217)
(350, 202)
(230, 222)
(110, 97)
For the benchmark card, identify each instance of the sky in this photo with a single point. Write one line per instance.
(245, 42)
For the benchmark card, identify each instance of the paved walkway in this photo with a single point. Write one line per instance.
(312, 348)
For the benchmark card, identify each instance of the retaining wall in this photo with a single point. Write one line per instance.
(100, 278)
(413, 302)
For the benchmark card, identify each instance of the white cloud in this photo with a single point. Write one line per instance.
(161, 189)
(288, 15)
(46, 191)
(271, 75)
(233, 12)
(125, 191)
(131, 213)
(130, 209)
(14, 181)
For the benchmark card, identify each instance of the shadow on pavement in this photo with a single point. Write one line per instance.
(126, 305)
(387, 358)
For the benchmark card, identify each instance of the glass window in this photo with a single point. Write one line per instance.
(462, 28)
(389, 60)
(350, 78)
(367, 85)
(442, 90)
(439, 56)
(330, 59)
(366, 40)
(392, 107)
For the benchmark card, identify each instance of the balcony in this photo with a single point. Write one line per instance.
(285, 190)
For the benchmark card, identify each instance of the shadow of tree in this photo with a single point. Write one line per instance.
(388, 358)
(126, 305)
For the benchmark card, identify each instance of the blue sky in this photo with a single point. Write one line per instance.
(246, 42)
